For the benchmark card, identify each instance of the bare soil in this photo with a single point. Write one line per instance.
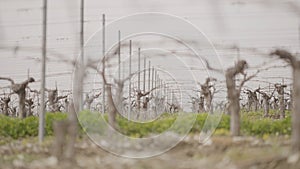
(222, 152)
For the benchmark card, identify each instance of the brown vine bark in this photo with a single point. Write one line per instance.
(233, 95)
(266, 102)
(206, 91)
(29, 103)
(65, 132)
(296, 109)
(112, 110)
(295, 64)
(280, 90)
(19, 89)
(139, 96)
(252, 100)
(5, 106)
(89, 100)
(53, 99)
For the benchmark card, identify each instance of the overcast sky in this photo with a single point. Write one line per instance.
(224, 22)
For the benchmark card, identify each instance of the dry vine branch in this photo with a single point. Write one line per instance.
(252, 99)
(208, 90)
(19, 89)
(280, 90)
(266, 101)
(89, 100)
(112, 108)
(65, 132)
(233, 95)
(295, 64)
(4, 105)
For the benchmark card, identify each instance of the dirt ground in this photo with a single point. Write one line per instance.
(222, 152)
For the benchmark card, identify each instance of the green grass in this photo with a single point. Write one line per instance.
(252, 124)
(27, 127)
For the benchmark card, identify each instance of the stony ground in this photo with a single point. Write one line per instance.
(221, 152)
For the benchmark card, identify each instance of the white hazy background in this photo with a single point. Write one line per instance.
(246, 23)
